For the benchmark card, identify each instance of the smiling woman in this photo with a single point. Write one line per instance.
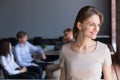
(84, 56)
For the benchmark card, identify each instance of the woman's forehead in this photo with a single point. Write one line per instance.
(93, 19)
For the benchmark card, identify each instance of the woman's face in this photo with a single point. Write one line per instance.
(90, 27)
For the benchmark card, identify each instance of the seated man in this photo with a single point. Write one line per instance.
(68, 37)
(23, 51)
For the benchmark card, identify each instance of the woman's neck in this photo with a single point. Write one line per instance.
(84, 42)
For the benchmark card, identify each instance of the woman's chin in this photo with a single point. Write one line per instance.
(94, 37)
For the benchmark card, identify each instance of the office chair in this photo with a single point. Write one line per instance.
(5, 73)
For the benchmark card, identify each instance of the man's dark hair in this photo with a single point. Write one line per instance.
(21, 34)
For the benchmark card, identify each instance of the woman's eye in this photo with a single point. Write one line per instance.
(99, 25)
(91, 25)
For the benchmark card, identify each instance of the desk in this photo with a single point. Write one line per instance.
(49, 50)
(50, 53)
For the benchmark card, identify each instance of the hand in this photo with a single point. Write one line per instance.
(43, 56)
(24, 69)
(36, 65)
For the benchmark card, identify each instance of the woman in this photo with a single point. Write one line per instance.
(8, 63)
(85, 59)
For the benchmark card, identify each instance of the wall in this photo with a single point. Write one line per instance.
(46, 18)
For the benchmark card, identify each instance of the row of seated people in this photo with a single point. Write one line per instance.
(23, 66)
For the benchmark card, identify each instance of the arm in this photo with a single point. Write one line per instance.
(43, 56)
(63, 73)
(37, 50)
(22, 70)
(107, 65)
(107, 72)
(19, 59)
(62, 65)
(8, 67)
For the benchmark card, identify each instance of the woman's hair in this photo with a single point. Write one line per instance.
(21, 34)
(4, 47)
(85, 13)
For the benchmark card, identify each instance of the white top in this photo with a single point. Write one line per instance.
(80, 66)
(9, 64)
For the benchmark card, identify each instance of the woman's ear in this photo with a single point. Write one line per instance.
(79, 25)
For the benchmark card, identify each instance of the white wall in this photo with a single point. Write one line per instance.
(45, 18)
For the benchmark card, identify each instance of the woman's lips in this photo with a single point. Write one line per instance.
(93, 33)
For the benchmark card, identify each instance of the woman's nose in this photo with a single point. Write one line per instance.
(97, 28)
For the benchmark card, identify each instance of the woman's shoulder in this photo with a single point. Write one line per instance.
(66, 46)
(65, 51)
(101, 44)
